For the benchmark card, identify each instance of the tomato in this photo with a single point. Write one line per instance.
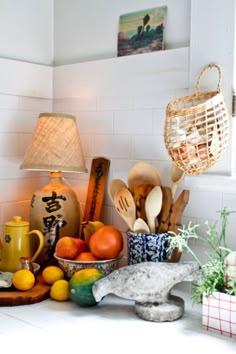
(106, 242)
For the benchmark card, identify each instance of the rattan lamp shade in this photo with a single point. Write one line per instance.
(54, 209)
(55, 145)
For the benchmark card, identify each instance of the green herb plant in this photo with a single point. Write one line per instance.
(211, 274)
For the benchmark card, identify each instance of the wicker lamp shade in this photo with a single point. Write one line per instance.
(55, 145)
(54, 208)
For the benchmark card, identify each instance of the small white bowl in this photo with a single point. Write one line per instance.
(6, 279)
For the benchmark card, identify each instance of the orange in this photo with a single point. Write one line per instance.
(50, 274)
(67, 247)
(106, 242)
(83, 246)
(60, 290)
(86, 256)
(23, 279)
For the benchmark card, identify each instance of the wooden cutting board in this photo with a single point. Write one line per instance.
(13, 297)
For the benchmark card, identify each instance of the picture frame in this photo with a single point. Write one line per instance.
(142, 31)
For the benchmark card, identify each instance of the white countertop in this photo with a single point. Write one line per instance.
(110, 327)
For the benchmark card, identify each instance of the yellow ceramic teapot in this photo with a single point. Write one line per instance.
(17, 242)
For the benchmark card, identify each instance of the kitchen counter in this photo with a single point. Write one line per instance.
(110, 327)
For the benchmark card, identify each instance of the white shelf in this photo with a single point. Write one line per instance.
(25, 79)
(134, 73)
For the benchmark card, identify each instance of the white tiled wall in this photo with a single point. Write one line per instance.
(122, 127)
(18, 115)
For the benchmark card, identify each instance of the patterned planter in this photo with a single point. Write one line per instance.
(219, 313)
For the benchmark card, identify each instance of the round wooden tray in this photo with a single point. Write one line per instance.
(13, 297)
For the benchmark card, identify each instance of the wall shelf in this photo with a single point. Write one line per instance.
(131, 74)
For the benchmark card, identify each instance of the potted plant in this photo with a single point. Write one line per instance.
(215, 287)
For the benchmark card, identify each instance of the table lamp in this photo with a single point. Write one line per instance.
(55, 147)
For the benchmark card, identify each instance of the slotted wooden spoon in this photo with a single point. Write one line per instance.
(125, 206)
(114, 186)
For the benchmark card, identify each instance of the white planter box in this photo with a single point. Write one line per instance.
(219, 313)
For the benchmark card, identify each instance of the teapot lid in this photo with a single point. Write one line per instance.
(17, 221)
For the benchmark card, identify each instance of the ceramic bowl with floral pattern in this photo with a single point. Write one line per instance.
(69, 267)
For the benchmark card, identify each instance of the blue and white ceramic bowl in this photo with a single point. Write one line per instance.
(147, 247)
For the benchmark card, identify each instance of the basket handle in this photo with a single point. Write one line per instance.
(210, 66)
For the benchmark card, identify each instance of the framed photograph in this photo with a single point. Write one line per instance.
(142, 31)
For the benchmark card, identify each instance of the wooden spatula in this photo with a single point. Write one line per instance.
(114, 186)
(125, 206)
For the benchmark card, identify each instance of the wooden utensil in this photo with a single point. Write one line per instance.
(143, 173)
(125, 206)
(114, 186)
(177, 176)
(140, 193)
(141, 226)
(153, 207)
(96, 188)
(166, 210)
(177, 210)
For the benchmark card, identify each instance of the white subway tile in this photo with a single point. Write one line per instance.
(9, 190)
(96, 122)
(87, 144)
(58, 105)
(35, 104)
(115, 102)
(24, 142)
(229, 201)
(17, 121)
(133, 122)
(9, 101)
(158, 116)
(15, 208)
(80, 104)
(203, 205)
(148, 147)
(158, 100)
(10, 166)
(117, 146)
(9, 144)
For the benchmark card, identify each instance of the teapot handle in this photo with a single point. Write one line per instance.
(41, 243)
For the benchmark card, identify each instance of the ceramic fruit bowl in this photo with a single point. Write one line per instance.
(69, 267)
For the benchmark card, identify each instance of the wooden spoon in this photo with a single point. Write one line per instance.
(114, 186)
(141, 226)
(125, 206)
(153, 207)
(177, 176)
(143, 173)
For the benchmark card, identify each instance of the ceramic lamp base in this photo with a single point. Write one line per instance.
(55, 211)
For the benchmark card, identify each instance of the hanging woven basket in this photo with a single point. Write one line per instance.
(196, 128)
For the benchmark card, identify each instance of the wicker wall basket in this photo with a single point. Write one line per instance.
(196, 128)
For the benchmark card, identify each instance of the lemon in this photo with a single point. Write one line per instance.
(51, 274)
(60, 290)
(23, 279)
